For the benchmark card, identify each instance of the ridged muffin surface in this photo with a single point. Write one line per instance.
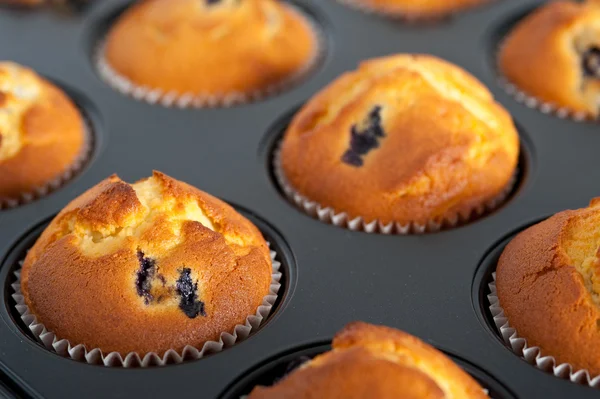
(404, 138)
(157, 259)
(548, 283)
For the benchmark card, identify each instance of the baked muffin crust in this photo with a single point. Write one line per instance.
(404, 138)
(375, 362)
(158, 259)
(553, 54)
(41, 131)
(548, 283)
(213, 48)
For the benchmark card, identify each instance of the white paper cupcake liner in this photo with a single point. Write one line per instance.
(405, 16)
(174, 99)
(533, 102)
(78, 163)
(114, 359)
(533, 354)
(341, 219)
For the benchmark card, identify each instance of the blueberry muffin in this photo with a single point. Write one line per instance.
(368, 361)
(404, 139)
(548, 283)
(218, 48)
(42, 133)
(553, 54)
(158, 259)
(416, 9)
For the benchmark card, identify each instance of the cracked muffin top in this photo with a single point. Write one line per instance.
(548, 283)
(553, 54)
(157, 259)
(417, 9)
(368, 361)
(210, 47)
(402, 138)
(41, 131)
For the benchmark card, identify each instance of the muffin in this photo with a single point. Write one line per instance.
(368, 361)
(157, 258)
(22, 2)
(404, 139)
(416, 9)
(206, 50)
(553, 54)
(547, 282)
(42, 133)
(41, 2)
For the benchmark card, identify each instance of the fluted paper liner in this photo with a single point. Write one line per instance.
(342, 219)
(530, 101)
(169, 99)
(95, 356)
(63, 178)
(533, 354)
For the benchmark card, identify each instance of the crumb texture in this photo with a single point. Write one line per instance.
(157, 256)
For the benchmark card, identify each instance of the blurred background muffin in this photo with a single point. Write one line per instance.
(553, 55)
(415, 9)
(404, 139)
(28, 3)
(158, 259)
(42, 133)
(368, 361)
(208, 51)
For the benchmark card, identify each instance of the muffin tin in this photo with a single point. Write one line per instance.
(431, 285)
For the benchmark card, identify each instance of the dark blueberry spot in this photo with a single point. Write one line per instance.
(188, 291)
(365, 138)
(143, 282)
(211, 2)
(591, 62)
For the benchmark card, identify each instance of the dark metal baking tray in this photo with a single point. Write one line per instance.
(429, 285)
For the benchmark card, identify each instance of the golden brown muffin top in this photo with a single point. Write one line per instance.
(402, 138)
(554, 54)
(368, 361)
(419, 9)
(239, 46)
(20, 89)
(548, 283)
(157, 258)
(41, 130)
